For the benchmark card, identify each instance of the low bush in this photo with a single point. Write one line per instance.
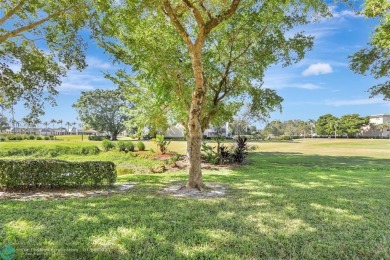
(108, 145)
(39, 137)
(209, 154)
(140, 146)
(125, 146)
(14, 137)
(240, 151)
(31, 137)
(27, 174)
(47, 138)
(2, 138)
(95, 138)
(98, 137)
(52, 151)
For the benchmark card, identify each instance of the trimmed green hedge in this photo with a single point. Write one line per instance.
(27, 174)
(52, 151)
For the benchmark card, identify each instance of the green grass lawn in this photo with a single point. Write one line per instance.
(308, 199)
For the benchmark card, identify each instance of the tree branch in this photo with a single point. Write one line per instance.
(30, 26)
(168, 10)
(205, 10)
(12, 12)
(195, 11)
(215, 21)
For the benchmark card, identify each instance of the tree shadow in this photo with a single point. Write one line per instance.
(280, 205)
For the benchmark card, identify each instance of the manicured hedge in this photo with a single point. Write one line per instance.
(27, 174)
(52, 151)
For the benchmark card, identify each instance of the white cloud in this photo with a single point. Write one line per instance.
(95, 63)
(318, 69)
(83, 81)
(309, 86)
(343, 13)
(355, 102)
(68, 86)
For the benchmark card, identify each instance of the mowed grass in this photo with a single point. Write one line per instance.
(308, 199)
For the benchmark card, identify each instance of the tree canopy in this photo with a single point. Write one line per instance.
(39, 42)
(103, 110)
(351, 124)
(375, 58)
(202, 60)
(327, 125)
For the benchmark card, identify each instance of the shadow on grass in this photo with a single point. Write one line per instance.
(281, 205)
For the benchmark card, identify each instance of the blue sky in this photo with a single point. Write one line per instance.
(321, 83)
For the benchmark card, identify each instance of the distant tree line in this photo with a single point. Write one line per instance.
(349, 125)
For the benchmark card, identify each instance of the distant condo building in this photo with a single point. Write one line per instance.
(377, 126)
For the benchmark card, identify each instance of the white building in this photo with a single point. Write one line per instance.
(374, 128)
(176, 131)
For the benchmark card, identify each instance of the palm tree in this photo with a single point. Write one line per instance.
(53, 121)
(60, 122)
(311, 123)
(67, 124)
(46, 124)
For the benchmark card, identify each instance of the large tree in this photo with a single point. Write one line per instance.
(103, 110)
(351, 124)
(39, 42)
(327, 125)
(203, 60)
(375, 58)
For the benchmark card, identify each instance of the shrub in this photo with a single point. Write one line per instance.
(140, 146)
(225, 154)
(240, 151)
(284, 138)
(51, 137)
(108, 145)
(47, 138)
(2, 138)
(26, 174)
(125, 146)
(52, 151)
(129, 146)
(121, 146)
(209, 153)
(39, 137)
(31, 137)
(162, 144)
(95, 138)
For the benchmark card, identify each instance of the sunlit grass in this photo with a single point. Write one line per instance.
(285, 203)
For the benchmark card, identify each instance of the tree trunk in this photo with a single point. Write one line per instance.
(194, 142)
(114, 136)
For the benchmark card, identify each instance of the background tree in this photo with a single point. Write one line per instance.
(103, 110)
(275, 128)
(68, 127)
(46, 124)
(351, 124)
(60, 121)
(53, 122)
(3, 123)
(326, 125)
(208, 60)
(383, 127)
(239, 126)
(375, 59)
(27, 28)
